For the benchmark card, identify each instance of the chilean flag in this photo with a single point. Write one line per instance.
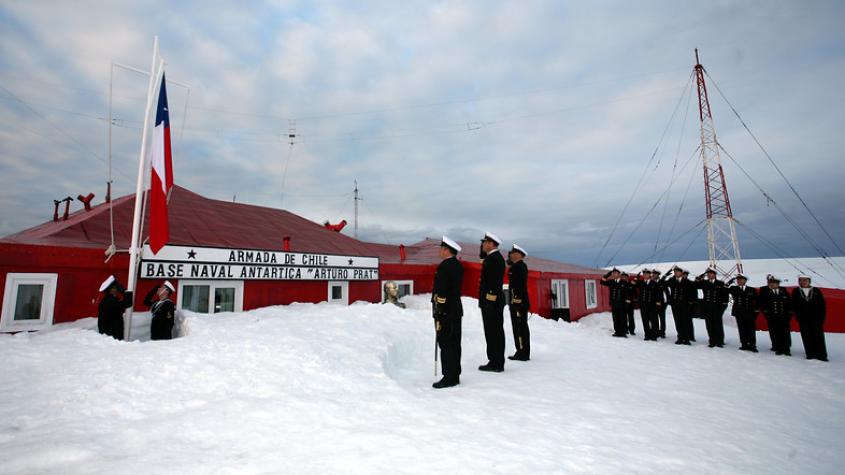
(162, 174)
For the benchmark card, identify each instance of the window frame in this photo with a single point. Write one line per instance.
(10, 297)
(344, 285)
(555, 283)
(238, 285)
(587, 285)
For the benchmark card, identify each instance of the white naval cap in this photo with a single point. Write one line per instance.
(169, 286)
(772, 278)
(804, 276)
(492, 237)
(519, 249)
(450, 243)
(106, 283)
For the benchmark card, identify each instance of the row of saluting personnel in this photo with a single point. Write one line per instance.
(116, 300)
(653, 293)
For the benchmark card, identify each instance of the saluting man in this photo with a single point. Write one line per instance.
(448, 312)
(810, 311)
(681, 295)
(745, 310)
(520, 305)
(777, 308)
(111, 308)
(713, 304)
(651, 299)
(163, 310)
(491, 299)
(618, 301)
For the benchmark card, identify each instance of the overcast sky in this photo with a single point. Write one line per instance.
(533, 120)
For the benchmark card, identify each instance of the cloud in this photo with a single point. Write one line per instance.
(531, 119)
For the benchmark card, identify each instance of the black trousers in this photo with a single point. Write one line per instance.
(779, 332)
(449, 342)
(521, 335)
(812, 335)
(620, 315)
(632, 324)
(494, 332)
(161, 328)
(111, 326)
(648, 312)
(713, 318)
(661, 317)
(746, 324)
(683, 321)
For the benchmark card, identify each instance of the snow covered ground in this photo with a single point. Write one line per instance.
(328, 389)
(822, 272)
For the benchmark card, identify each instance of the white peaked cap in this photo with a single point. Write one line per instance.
(169, 286)
(106, 283)
(804, 276)
(772, 277)
(451, 243)
(517, 248)
(492, 237)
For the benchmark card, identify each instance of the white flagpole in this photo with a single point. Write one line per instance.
(134, 251)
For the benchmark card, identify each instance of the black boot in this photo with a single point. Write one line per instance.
(492, 368)
(446, 383)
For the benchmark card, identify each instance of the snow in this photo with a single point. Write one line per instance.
(823, 273)
(316, 388)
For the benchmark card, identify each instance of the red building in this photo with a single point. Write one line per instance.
(226, 256)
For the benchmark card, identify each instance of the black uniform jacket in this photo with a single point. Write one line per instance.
(492, 277)
(446, 295)
(111, 309)
(161, 309)
(714, 292)
(772, 305)
(518, 284)
(812, 306)
(681, 291)
(651, 293)
(745, 300)
(619, 291)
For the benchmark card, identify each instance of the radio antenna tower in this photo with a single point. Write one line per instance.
(722, 244)
(357, 199)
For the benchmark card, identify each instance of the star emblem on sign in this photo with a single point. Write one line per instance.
(350, 262)
(192, 254)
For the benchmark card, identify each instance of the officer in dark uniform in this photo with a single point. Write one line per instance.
(491, 299)
(520, 304)
(810, 311)
(632, 302)
(163, 310)
(745, 310)
(776, 306)
(681, 296)
(713, 304)
(618, 301)
(110, 310)
(694, 307)
(448, 312)
(650, 298)
(661, 309)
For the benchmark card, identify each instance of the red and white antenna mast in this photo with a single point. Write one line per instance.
(722, 246)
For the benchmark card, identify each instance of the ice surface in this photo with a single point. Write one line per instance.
(316, 388)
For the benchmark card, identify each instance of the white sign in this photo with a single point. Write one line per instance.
(186, 262)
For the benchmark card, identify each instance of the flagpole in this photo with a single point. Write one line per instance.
(136, 219)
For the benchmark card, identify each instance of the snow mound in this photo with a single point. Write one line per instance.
(317, 388)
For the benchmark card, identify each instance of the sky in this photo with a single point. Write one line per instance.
(537, 121)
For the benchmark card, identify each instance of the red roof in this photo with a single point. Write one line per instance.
(199, 221)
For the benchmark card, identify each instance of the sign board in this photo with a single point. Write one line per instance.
(199, 263)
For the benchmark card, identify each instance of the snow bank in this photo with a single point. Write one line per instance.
(329, 389)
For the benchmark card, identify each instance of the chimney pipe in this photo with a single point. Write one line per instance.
(286, 243)
(402, 252)
(56, 210)
(67, 208)
(86, 200)
(335, 227)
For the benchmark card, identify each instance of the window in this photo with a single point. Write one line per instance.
(28, 302)
(211, 296)
(339, 293)
(406, 287)
(590, 289)
(560, 293)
